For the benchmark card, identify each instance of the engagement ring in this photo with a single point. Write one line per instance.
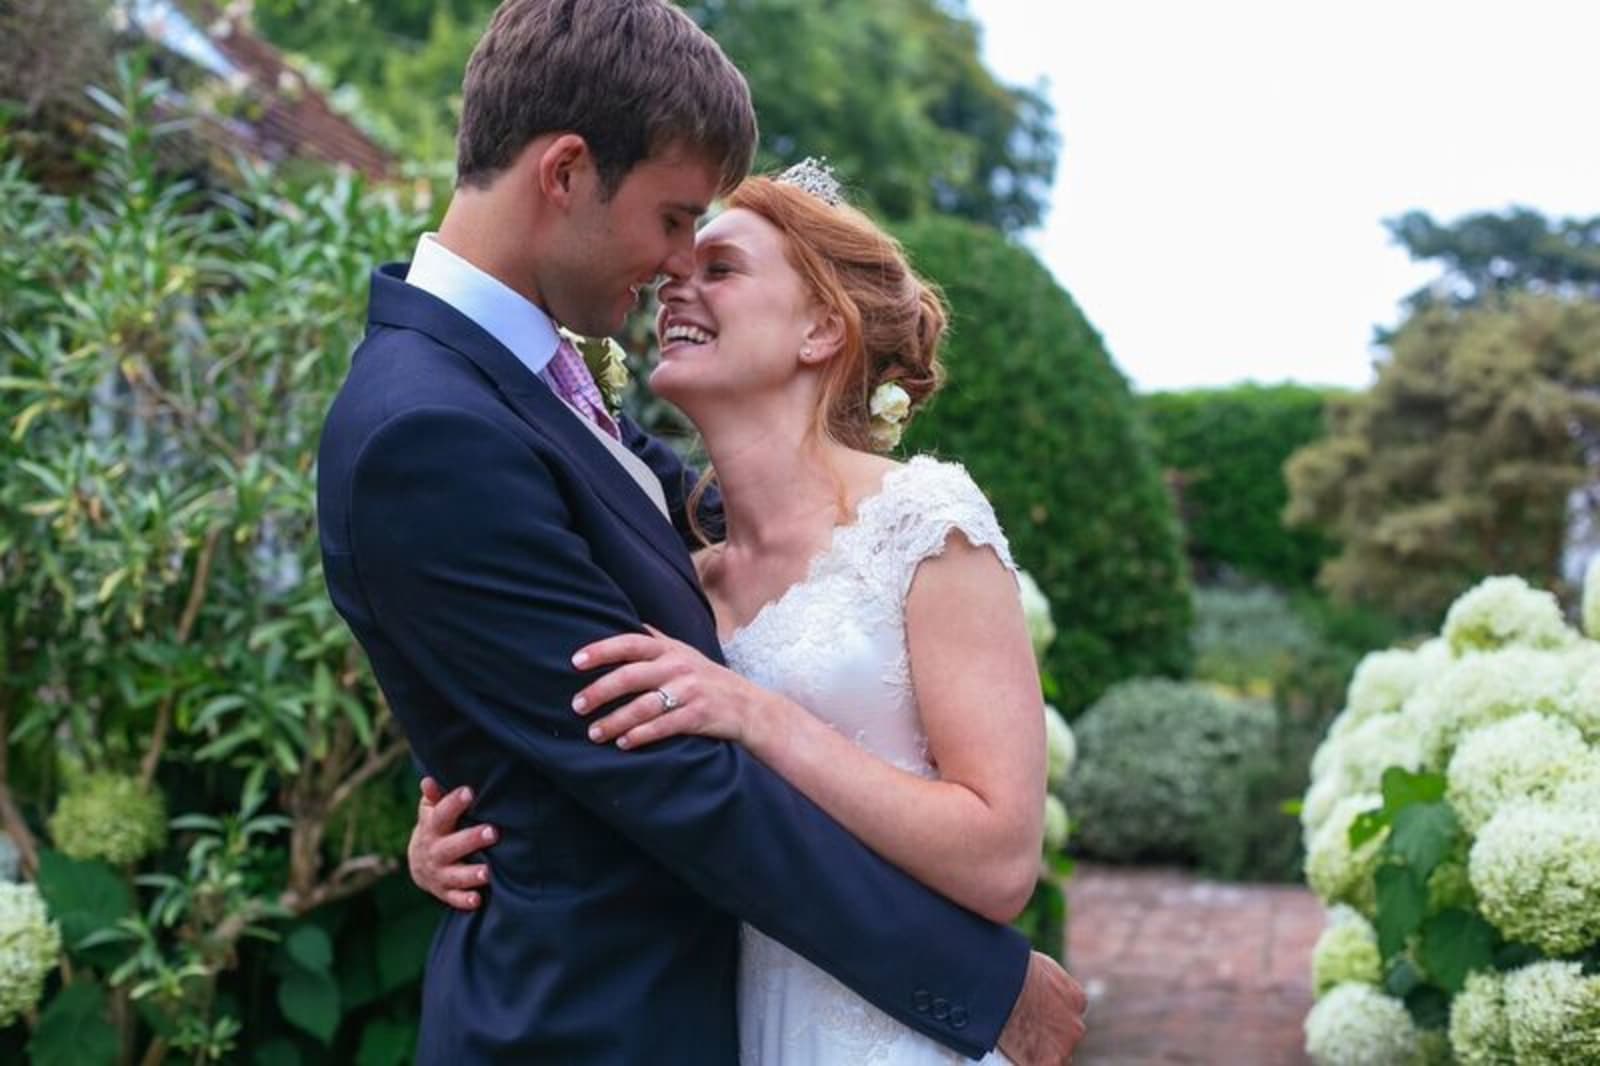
(668, 700)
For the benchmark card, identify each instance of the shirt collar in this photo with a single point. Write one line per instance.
(504, 314)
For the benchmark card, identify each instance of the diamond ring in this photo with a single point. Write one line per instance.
(668, 700)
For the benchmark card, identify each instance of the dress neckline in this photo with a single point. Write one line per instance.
(814, 566)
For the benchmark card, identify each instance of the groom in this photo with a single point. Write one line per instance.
(482, 516)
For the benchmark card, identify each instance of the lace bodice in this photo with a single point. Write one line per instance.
(835, 643)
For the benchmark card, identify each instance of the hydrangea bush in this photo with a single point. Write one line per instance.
(1452, 826)
(1044, 919)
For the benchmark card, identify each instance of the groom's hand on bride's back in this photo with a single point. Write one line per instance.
(1047, 1021)
(437, 848)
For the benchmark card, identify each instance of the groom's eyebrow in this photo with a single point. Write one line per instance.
(692, 210)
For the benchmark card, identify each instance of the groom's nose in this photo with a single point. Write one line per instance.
(680, 264)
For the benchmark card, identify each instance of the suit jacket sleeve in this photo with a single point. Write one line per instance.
(463, 548)
(678, 480)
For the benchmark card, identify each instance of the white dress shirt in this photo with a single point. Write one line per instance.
(519, 324)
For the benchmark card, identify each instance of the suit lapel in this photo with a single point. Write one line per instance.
(394, 303)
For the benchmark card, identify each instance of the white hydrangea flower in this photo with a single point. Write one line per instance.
(110, 816)
(1357, 1025)
(1553, 1014)
(1335, 872)
(1582, 707)
(1370, 748)
(30, 947)
(1384, 680)
(1591, 598)
(1504, 612)
(1036, 612)
(1321, 798)
(1346, 953)
(1478, 690)
(1479, 1035)
(1327, 753)
(1061, 747)
(1536, 870)
(1530, 756)
(1056, 824)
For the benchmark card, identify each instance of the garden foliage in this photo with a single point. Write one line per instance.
(203, 783)
(1224, 450)
(1162, 765)
(1454, 820)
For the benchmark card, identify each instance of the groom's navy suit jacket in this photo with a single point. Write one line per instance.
(475, 535)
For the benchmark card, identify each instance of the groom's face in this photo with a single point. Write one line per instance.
(622, 243)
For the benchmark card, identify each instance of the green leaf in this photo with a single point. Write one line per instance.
(83, 896)
(1402, 977)
(1423, 835)
(279, 1051)
(1402, 901)
(1429, 1007)
(387, 1043)
(310, 1000)
(1367, 825)
(74, 1029)
(310, 947)
(403, 947)
(1455, 943)
(1402, 788)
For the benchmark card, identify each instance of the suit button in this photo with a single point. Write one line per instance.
(958, 1017)
(920, 999)
(941, 1009)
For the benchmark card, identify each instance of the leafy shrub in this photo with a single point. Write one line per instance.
(167, 646)
(1038, 413)
(1161, 761)
(1454, 804)
(1225, 450)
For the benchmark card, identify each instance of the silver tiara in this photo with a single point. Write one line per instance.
(813, 175)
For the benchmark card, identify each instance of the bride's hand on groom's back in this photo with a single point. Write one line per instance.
(437, 848)
(668, 688)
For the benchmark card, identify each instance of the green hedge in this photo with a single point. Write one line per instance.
(1172, 771)
(1225, 450)
(1047, 425)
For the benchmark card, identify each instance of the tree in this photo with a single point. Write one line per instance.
(1486, 254)
(1048, 427)
(893, 92)
(1224, 451)
(1472, 455)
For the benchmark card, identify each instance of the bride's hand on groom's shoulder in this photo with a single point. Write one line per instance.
(437, 849)
(668, 688)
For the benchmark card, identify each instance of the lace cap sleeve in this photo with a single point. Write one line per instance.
(929, 500)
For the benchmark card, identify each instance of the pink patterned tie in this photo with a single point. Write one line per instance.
(572, 382)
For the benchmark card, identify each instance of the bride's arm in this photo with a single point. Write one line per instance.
(974, 834)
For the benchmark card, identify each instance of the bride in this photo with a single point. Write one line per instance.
(868, 610)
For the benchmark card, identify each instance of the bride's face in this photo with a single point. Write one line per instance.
(737, 324)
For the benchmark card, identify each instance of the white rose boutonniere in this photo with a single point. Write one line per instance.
(889, 406)
(607, 363)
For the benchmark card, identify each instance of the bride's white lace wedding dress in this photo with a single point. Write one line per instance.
(835, 643)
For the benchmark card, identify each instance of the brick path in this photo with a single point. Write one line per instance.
(1185, 971)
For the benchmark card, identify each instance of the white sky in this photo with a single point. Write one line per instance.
(1226, 164)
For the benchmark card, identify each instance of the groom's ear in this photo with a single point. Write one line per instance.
(561, 167)
(824, 339)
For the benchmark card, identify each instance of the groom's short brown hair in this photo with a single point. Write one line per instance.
(631, 77)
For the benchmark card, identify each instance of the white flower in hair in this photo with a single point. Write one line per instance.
(813, 175)
(888, 406)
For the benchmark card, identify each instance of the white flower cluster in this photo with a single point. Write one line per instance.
(1061, 751)
(1346, 952)
(1503, 612)
(109, 816)
(1506, 705)
(30, 947)
(1358, 1025)
(1036, 612)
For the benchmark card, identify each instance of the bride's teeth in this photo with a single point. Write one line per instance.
(688, 333)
